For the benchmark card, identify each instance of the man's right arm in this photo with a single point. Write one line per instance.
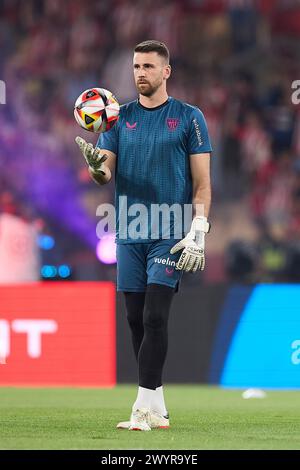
(95, 157)
(107, 169)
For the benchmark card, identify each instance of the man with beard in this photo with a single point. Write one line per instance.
(159, 151)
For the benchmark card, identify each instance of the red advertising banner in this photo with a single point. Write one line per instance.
(58, 333)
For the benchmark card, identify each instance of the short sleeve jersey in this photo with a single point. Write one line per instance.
(153, 148)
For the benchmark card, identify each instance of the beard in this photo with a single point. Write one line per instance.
(146, 89)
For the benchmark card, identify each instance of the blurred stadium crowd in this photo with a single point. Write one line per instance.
(235, 59)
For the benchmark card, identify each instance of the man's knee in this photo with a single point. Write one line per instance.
(135, 320)
(134, 309)
(157, 306)
(154, 319)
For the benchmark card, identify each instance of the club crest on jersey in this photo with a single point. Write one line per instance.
(172, 123)
(131, 126)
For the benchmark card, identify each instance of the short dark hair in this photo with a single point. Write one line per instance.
(153, 46)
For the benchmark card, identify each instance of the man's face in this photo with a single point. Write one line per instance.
(150, 71)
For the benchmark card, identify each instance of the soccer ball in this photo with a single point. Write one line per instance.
(96, 110)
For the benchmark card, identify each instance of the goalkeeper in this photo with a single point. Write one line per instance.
(159, 151)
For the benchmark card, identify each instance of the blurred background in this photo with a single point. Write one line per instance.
(235, 59)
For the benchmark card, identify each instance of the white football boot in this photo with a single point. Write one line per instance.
(140, 420)
(157, 421)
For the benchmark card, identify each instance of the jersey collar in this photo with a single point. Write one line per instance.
(156, 107)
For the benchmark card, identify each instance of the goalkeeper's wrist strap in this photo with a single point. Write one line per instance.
(200, 224)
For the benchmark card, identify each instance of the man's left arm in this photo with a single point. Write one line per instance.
(200, 170)
(192, 257)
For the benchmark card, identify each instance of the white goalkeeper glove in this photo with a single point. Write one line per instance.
(192, 258)
(92, 156)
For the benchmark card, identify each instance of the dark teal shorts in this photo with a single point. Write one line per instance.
(139, 264)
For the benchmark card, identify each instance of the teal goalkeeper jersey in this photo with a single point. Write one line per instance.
(153, 146)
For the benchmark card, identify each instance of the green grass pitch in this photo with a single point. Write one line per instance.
(200, 418)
